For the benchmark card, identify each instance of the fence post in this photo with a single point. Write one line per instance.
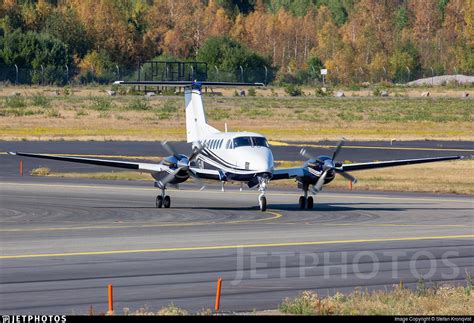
(16, 77)
(242, 73)
(118, 72)
(266, 74)
(218, 293)
(42, 74)
(67, 74)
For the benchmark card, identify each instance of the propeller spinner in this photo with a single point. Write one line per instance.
(326, 165)
(182, 163)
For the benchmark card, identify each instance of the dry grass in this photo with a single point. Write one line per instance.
(445, 300)
(89, 114)
(41, 171)
(444, 177)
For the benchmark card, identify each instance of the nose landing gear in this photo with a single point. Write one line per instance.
(262, 186)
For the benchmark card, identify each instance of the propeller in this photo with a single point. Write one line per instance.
(327, 166)
(182, 163)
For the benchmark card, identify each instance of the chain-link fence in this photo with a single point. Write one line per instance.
(164, 71)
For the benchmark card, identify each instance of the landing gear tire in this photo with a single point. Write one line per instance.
(310, 203)
(302, 202)
(159, 201)
(167, 202)
(263, 203)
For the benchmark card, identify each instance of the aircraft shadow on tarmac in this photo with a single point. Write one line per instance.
(327, 207)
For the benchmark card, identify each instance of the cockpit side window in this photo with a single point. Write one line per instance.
(260, 142)
(242, 142)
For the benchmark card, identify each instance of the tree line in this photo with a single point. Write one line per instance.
(354, 39)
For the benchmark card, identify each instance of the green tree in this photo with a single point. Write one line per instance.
(228, 55)
(66, 26)
(40, 52)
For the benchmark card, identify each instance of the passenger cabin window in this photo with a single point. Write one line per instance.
(220, 143)
(229, 144)
(260, 142)
(242, 142)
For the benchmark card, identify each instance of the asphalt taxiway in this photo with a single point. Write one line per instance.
(63, 241)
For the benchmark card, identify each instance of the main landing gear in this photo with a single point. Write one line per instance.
(262, 186)
(163, 200)
(305, 200)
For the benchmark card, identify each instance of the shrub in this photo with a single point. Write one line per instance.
(293, 90)
(40, 101)
(139, 104)
(101, 104)
(41, 171)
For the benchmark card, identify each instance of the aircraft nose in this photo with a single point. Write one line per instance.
(264, 161)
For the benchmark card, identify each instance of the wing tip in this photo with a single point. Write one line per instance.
(11, 153)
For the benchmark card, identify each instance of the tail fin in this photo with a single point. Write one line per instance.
(196, 124)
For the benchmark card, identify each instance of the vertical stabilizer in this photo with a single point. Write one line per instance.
(196, 124)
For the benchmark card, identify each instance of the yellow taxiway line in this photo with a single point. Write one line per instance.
(204, 248)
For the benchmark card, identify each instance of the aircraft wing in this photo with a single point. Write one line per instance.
(206, 173)
(286, 173)
(391, 163)
(141, 167)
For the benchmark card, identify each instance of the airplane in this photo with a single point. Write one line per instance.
(244, 157)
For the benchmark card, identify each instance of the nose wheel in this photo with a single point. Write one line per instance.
(262, 201)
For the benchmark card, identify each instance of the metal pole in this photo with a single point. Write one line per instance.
(432, 75)
(118, 71)
(42, 74)
(409, 72)
(16, 77)
(67, 74)
(242, 73)
(217, 73)
(266, 74)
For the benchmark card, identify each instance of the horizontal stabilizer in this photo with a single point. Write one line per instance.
(187, 83)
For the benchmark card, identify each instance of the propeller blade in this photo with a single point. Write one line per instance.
(168, 178)
(170, 149)
(306, 154)
(347, 176)
(198, 180)
(320, 182)
(338, 148)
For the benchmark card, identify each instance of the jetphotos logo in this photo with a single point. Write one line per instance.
(33, 319)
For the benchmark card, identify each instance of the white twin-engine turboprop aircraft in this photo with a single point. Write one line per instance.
(233, 156)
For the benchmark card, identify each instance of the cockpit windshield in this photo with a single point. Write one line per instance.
(250, 141)
(242, 141)
(260, 142)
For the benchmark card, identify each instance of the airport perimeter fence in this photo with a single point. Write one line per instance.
(66, 75)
